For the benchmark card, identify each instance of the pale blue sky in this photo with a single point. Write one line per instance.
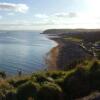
(44, 14)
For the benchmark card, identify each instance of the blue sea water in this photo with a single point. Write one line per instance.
(23, 50)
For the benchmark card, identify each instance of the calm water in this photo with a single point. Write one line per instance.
(24, 51)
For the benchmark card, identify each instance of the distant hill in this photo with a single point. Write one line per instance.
(57, 31)
(90, 35)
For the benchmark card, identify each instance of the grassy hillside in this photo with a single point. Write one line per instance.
(55, 85)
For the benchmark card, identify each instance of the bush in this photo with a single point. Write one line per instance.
(39, 78)
(76, 84)
(56, 74)
(95, 80)
(18, 82)
(95, 66)
(95, 76)
(11, 96)
(2, 96)
(27, 90)
(5, 86)
(3, 74)
(50, 91)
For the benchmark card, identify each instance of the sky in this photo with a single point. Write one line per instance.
(47, 14)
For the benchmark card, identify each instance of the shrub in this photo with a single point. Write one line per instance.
(94, 76)
(18, 82)
(27, 90)
(95, 66)
(3, 74)
(5, 86)
(76, 84)
(95, 80)
(50, 91)
(2, 96)
(39, 77)
(56, 74)
(11, 95)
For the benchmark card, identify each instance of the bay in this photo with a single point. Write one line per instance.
(23, 50)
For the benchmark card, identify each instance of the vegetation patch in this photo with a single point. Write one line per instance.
(53, 85)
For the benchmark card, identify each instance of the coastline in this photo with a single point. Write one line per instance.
(65, 54)
(52, 55)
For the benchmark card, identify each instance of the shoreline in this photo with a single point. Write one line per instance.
(63, 56)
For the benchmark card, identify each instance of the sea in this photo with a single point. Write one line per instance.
(24, 51)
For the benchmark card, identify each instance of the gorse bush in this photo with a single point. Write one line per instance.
(3, 74)
(39, 78)
(77, 84)
(95, 66)
(50, 91)
(27, 90)
(16, 83)
(11, 95)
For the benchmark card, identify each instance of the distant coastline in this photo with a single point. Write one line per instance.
(68, 52)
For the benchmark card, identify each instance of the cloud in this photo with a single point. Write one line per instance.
(11, 14)
(62, 18)
(57, 15)
(22, 8)
(0, 17)
(66, 15)
(68, 20)
(23, 23)
(41, 16)
(56, 20)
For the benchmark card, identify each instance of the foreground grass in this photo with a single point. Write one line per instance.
(55, 85)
